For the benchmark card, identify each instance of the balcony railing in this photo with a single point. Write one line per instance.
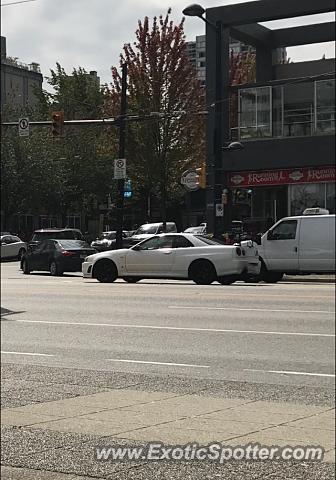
(32, 67)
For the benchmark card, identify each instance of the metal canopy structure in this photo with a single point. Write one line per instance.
(243, 18)
(246, 22)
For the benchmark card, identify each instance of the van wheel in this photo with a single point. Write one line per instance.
(228, 279)
(105, 271)
(269, 277)
(202, 272)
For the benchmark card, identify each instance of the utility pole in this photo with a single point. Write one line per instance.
(122, 141)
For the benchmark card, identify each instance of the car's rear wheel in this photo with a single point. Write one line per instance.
(228, 279)
(131, 279)
(202, 272)
(105, 271)
(55, 270)
(22, 251)
(25, 267)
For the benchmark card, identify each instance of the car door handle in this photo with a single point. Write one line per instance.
(167, 252)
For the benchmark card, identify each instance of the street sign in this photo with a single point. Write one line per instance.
(190, 180)
(128, 189)
(219, 210)
(120, 168)
(24, 127)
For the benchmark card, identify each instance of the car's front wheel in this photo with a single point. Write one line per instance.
(25, 267)
(202, 272)
(55, 270)
(105, 271)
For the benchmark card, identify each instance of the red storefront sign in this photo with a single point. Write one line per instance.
(282, 177)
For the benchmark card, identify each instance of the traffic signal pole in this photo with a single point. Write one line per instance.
(122, 142)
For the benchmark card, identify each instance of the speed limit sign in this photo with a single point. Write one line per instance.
(24, 127)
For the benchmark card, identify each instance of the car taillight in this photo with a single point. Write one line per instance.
(66, 253)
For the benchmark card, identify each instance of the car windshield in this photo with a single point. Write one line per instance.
(69, 244)
(208, 241)
(147, 229)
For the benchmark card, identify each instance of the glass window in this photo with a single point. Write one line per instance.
(277, 123)
(156, 242)
(286, 230)
(325, 106)
(305, 196)
(330, 197)
(181, 242)
(298, 109)
(255, 107)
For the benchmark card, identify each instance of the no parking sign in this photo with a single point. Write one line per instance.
(24, 127)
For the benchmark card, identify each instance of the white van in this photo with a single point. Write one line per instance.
(298, 245)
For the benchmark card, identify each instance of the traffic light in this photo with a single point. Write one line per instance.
(201, 172)
(57, 124)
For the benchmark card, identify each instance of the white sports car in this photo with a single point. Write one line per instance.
(178, 256)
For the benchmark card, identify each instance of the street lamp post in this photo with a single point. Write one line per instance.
(196, 10)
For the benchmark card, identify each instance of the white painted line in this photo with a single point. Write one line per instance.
(26, 353)
(285, 372)
(158, 363)
(193, 307)
(185, 329)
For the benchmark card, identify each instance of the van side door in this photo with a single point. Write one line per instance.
(280, 248)
(317, 244)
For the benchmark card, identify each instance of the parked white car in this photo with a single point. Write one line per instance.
(298, 245)
(12, 247)
(178, 256)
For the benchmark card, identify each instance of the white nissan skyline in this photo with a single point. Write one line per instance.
(176, 256)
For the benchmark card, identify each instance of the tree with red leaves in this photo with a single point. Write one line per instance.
(160, 79)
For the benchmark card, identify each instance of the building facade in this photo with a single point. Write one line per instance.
(196, 52)
(285, 120)
(18, 80)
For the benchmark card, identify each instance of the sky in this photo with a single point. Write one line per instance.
(91, 33)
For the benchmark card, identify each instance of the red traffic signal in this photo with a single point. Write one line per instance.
(57, 124)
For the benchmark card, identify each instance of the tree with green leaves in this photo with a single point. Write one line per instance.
(161, 82)
(46, 175)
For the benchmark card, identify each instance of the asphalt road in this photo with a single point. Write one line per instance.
(260, 333)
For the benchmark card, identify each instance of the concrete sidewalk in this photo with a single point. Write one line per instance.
(141, 417)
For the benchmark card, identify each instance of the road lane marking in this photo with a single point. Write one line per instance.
(192, 307)
(285, 372)
(186, 329)
(157, 363)
(28, 353)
